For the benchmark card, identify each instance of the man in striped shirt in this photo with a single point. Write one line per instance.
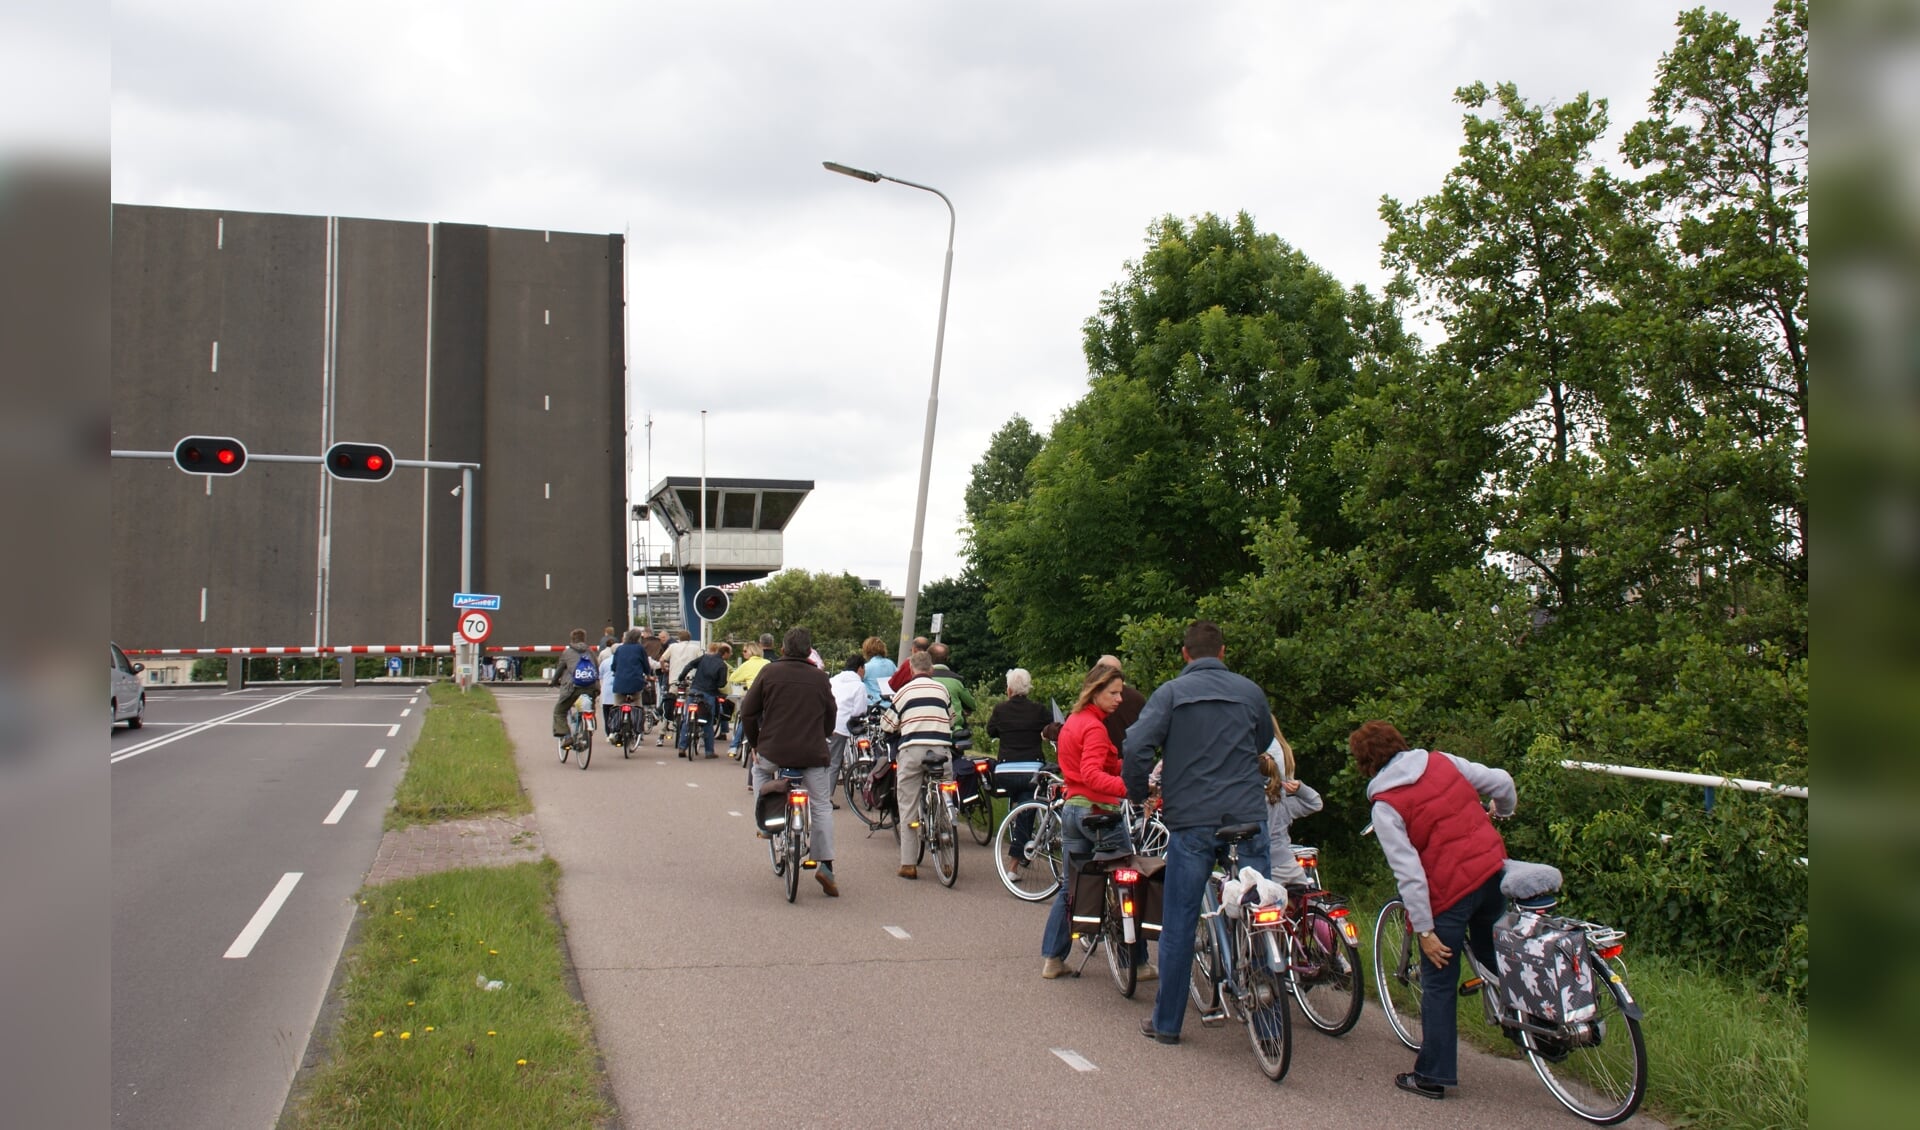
(922, 714)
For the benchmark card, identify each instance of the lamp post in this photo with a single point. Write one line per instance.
(912, 608)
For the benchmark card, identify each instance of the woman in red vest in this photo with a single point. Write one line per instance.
(1431, 821)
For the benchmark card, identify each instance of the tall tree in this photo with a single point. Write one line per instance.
(1001, 474)
(838, 609)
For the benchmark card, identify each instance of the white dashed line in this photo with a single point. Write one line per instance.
(393, 731)
(1074, 1059)
(733, 814)
(898, 933)
(407, 711)
(691, 785)
(340, 809)
(262, 918)
(375, 759)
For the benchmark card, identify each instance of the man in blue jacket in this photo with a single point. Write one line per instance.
(1209, 725)
(631, 669)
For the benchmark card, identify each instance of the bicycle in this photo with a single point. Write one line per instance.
(1596, 1066)
(1039, 845)
(1323, 958)
(579, 739)
(939, 817)
(1239, 962)
(863, 756)
(624, 733)
(1114, 923)
(789, 827)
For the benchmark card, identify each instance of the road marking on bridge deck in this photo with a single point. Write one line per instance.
(375, 759)
(340, 809)
(262, 918)
(898, 933)
(393, 731)
(1074, 1059)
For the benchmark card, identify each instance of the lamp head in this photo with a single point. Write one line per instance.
(843, 170)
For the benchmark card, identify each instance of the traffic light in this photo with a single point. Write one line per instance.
(210, 455)
(364, 462)
(710, 603)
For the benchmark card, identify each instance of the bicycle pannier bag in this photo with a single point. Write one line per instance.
(1151, 896)
(585, 672)
(1543, 967)
(965, 776)
(877, 791)
(770, 808)
(1087, 896)
(1010, 777)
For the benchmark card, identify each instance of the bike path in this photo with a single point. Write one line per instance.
(717, 1003)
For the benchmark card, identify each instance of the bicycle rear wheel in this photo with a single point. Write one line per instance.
(1325, 973)
(794, 850)
(1601, 1073)
(1119, 954)
(978, 814)
(1396, 972)
(946, 843)
(1039, 877)
(1269, 1022)
(1204, 986)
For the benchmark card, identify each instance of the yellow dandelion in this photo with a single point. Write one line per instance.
(406, 1035)
(494, 952)
(413, 961)
(521, 1062)
(379, 1033)
(429, 1028)
(491, 1032)
(409, 1004)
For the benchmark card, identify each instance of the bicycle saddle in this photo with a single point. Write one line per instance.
(1235, 833)
(1099, 821)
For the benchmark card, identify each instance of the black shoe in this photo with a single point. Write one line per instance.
(1411, 1084)
(1147, 1030)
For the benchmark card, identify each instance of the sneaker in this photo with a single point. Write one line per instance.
(1014, 864)
(1411, 1084)
(1052, 968)
(825, 875)
(909, 871)
(1146, 973)
(1147, 1030)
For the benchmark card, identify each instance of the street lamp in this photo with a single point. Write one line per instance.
(912, 608)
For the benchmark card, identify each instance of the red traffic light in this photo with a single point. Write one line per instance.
(210, 455)
(362, 462)
(711, 603)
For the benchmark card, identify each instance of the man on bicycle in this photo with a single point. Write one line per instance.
(563, 678)
(631, 669)
(707, 675)
(788, 716)
(1210, 726)
(922, 715)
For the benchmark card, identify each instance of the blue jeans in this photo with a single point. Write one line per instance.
(1080, 846)
(1190, 855)
(1470, 919)
(707, 703)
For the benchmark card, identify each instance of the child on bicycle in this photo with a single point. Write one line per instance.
(1288, 799)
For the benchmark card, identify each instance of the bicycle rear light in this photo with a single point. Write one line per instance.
(950, 788)
(1126, 907)
(797, 798)
(1266, 916)
(1126, 876)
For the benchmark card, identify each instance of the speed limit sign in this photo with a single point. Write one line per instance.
(474, 625)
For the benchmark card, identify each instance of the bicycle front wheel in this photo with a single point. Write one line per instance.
(584, 753)
(1038, 875)
(1600, 1071)
(1396, 972)
(946, 843)
(1325, 973)
(978, 813)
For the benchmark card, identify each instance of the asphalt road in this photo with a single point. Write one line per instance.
(221, 802)
(718, 1004)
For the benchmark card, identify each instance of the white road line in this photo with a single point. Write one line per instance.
(898, 933)
(340, 809)
(1074, 1059)
(366, 725)
(407, 711)
(691, 785)
(393, 731)
(375, 759)
(733, 814)
(262, 918)
(414, 701)
(224, 719)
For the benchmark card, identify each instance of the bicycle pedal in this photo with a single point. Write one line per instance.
(1471, 986)
(809, 865)
(1213, 1019)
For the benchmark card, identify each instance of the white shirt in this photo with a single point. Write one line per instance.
(849, 700)
(606, 674)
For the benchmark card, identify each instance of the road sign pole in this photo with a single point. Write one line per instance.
(466, 529)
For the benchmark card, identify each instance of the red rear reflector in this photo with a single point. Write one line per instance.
(1338, 912)
(1611, 952)
(1267, 916)
(1126, 876)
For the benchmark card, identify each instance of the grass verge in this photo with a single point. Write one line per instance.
(461, 765)
(422, 1042)
(1721, 1054)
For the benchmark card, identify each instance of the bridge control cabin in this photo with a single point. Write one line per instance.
(743, 539)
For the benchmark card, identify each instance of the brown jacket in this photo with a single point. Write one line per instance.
(788, 714)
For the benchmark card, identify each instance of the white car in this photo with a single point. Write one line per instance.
(129, 698)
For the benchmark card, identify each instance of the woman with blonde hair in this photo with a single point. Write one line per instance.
(1288, 799)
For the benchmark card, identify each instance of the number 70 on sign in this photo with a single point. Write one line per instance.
(474, 625)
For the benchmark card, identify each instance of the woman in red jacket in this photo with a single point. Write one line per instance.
(1090, 765)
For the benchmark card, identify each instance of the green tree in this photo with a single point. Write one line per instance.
(1001, 474)
(840, 611)
(978, 655)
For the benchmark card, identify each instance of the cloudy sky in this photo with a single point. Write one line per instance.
(798, 307)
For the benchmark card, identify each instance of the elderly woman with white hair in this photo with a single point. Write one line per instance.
(1017, 723)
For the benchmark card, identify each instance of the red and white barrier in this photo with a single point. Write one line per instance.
(357, 649)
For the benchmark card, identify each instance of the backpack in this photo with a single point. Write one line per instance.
(585, 672)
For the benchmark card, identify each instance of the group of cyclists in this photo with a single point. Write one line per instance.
(1205, 743)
